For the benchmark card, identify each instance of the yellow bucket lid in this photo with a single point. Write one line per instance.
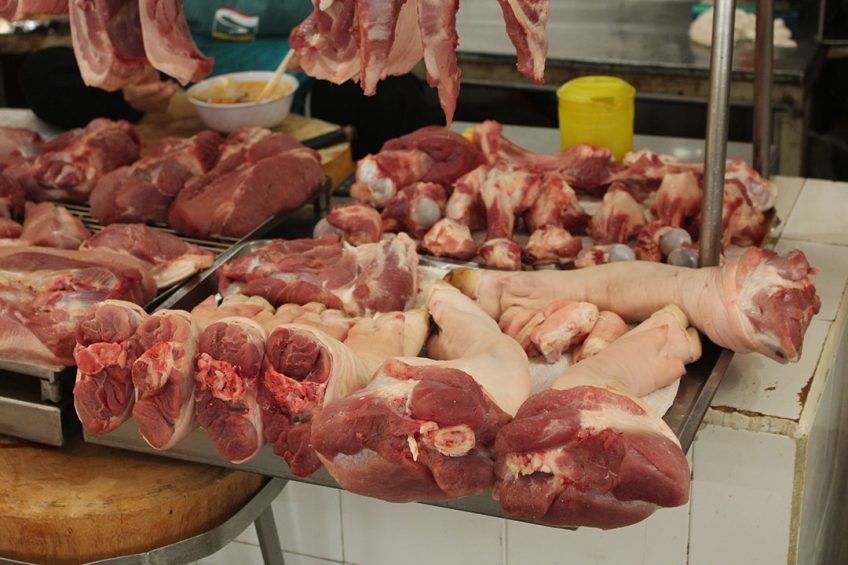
(596, 89)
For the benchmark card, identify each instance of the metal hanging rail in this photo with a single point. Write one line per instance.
(718, 110)
(763, 61)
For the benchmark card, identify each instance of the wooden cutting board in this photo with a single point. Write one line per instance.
(86, 502)
(181, 120)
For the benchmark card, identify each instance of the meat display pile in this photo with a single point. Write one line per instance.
(328, 370)
(494, 201)
(368, 41)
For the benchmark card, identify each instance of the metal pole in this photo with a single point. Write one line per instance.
(763, 59)
(269, 540)
(718, 111)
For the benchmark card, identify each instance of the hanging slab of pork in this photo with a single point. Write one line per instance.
(423, 429)
(163, 376)
(757, 302)
(588, 452)
(107, 347)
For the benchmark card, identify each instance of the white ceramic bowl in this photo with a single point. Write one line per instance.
(229, 117)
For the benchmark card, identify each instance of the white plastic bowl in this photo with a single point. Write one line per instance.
(229, 117)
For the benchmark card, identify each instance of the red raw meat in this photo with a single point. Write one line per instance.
(588, 452)
(11, 198)
(48, 225)
(507, 192)
(143, 191)
(465, 204)
(525, 24)
(163, 375)
(678, 198)
(106, 35)
(170, 259)
(500, 253)
(73, 162)
(557, 206)
(18, 145)
(452, 154)
(757, 302)
(13, 10)
(451, 239)
(327, 42)
(618, 218)
(168, 42)
(551, 244)
(422, 430)
(258, 174)
(437, 21)
(105, 351)
(226, 385)
(358, 223)
(414, 209)
(9, 229)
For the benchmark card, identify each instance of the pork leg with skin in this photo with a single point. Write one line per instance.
(422, 430)
(608, 328)
(760, 301)
(228, 367)
(551, 331)
(306, 369)
(588, 452)
(106, 348)
(163, 376)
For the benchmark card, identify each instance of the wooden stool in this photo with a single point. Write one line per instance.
(86, 502)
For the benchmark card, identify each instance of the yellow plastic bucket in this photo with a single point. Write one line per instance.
(597, 110)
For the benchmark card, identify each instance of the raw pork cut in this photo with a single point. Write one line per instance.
(551, 331)
(374, 277)
(415, 208)
(163, 375)
(229, 366)
(551, 244)
(606, 330)
(588, 452)
(11, 198)
(437, 22)
(618, 218)
(143, 191)
(557, 206)
(525, 24)
(507, 192)
(44, 293)
(106, 36)
(327, 41)
(235, 305)
(500, 253)
(451, 239)
(423, 429)
(757, 302)
(73, 162)
(18, 145)
(14, 10)
(168, 42)
(9, 229)
(48, 225)
(306, 369)
(170, 259)
(357, 223)
(105, 351)
(258, 174)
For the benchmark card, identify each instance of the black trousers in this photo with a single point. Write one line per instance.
(52, 86)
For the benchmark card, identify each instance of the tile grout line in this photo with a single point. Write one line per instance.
(341, 526)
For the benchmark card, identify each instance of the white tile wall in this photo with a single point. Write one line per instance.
(788, 189)
(831, 262)
(756, 383)
(819, 214)
(741, 498)
(381, 533)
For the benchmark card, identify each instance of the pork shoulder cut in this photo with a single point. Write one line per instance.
(49, 225)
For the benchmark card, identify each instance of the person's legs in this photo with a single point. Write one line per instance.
(52, 86)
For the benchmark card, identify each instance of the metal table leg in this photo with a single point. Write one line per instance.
(718, 111)
(269, 540)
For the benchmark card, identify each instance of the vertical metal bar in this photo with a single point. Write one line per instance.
(763, 60)
(269, 540)
(718, 112)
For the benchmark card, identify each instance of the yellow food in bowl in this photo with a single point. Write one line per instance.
(239, 92)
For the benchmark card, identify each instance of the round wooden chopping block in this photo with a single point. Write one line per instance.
(86, 502)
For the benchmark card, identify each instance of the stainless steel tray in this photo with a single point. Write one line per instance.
(684, 417)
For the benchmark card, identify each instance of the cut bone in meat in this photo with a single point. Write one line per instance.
(678, 198)
(422, 429)
(507, 192)
(500, 253)
(45, 292)
(415, 208)
(358, 223)
(106, 36)
(465, 204)
(618, 218)
(374, 277)
(163, 375)
(170, 259)
(757, 302)
(168, 42)
(228, 370)
(306, 369)
(451, 239)
(588, 452)
(557, 206)
(551, 244)
(73, 162)
(143, 191)
(106, 349)
(259, 174)
(48, 225)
